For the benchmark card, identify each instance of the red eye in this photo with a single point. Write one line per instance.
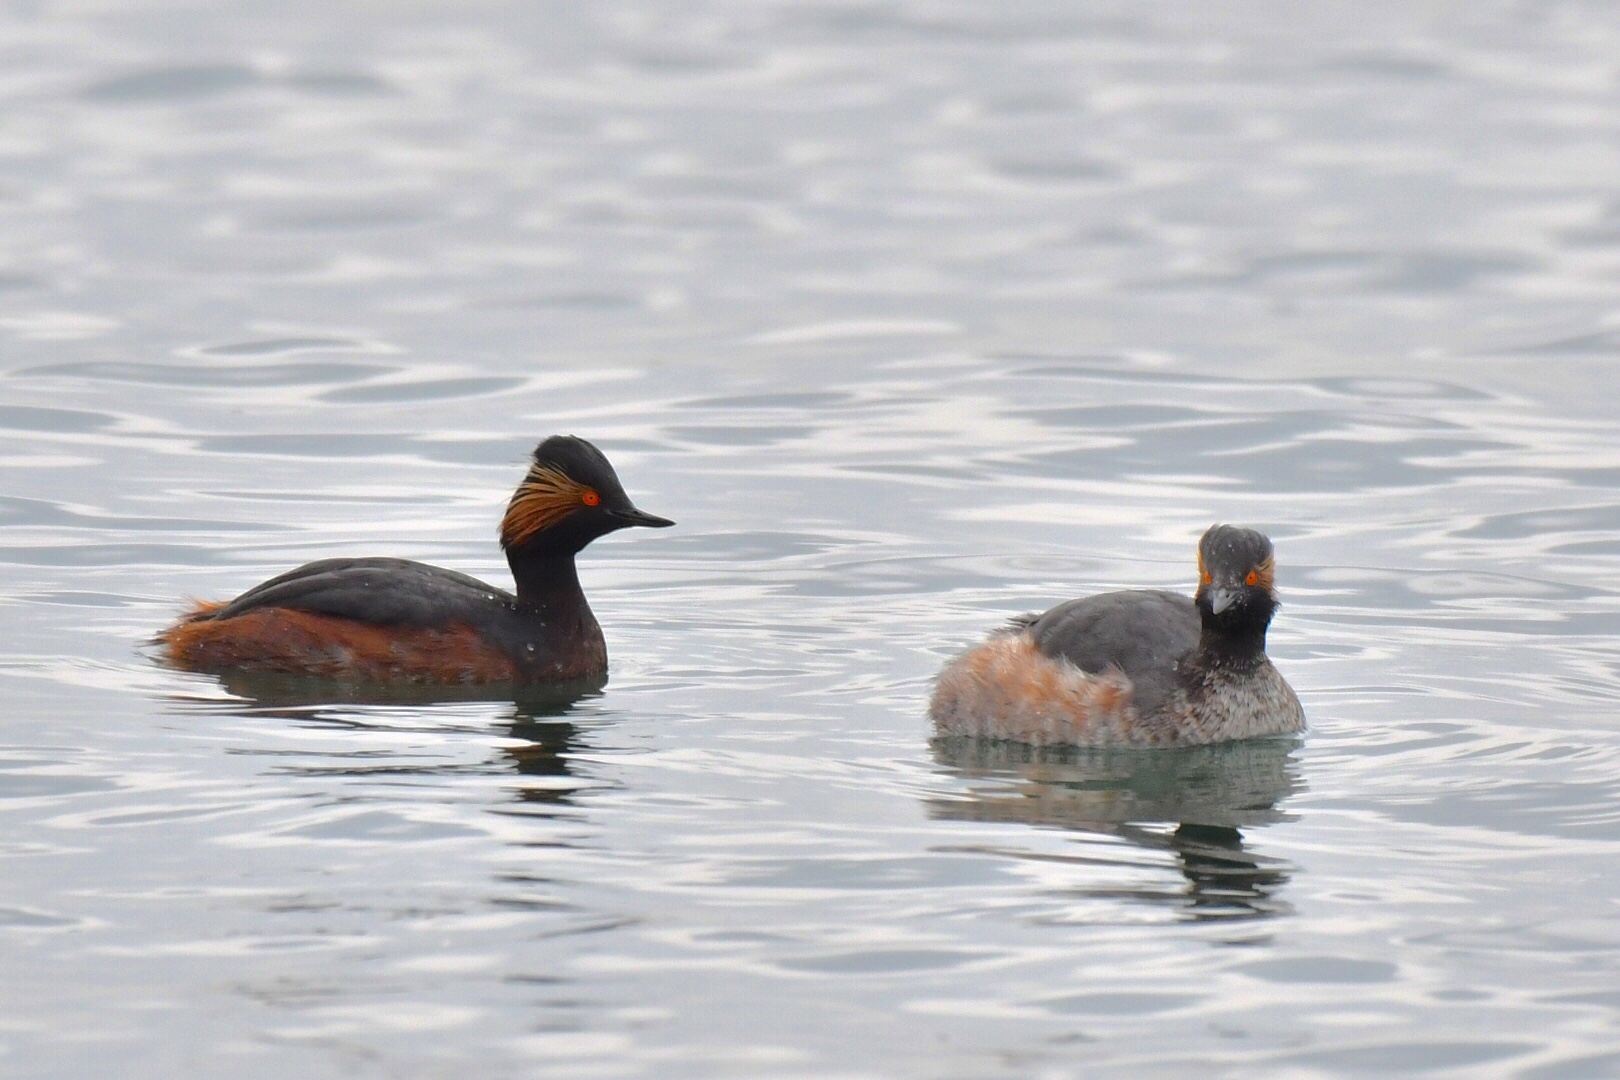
(591, 498)
(1208, 577)
(1252, 579)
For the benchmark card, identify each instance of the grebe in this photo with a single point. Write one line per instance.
(397, 621)
(1134, 668)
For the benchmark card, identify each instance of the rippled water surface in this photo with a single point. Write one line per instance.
(914, 316)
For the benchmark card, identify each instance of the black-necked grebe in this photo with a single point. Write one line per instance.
(1134, 668)
(393, 620)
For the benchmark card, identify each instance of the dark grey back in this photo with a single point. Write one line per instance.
(1143, 632)
(387, 592)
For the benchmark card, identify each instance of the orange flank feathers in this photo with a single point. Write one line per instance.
(284, 641)
(1006, 688)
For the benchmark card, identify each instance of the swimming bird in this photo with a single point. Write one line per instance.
(1141, 667)
(398, 621)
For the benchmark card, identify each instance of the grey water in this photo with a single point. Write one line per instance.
(914, 316)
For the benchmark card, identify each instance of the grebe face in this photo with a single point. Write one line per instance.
(612, 509)
(570, 496)
(1236, 577)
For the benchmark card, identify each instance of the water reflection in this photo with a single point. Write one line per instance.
(536, 716)
(548, 741)
(1210, 794)
(267, 692)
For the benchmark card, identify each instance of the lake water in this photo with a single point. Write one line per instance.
(914, 316)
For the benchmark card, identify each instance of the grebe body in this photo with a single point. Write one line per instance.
(1134, 668)
(397, 621)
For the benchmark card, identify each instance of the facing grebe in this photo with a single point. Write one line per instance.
(1134, 668)
(393, 620)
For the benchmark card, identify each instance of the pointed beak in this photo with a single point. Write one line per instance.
(1221, 599)
(633, 516)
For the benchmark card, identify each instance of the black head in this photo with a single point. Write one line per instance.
(569, 498)
(1236, 589)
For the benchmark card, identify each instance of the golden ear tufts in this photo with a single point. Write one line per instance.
(545, 497)
(1265, 574)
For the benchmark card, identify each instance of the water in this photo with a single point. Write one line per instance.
(914, 317)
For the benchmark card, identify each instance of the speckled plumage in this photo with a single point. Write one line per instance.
(1133, 668)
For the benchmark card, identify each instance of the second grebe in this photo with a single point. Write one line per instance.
(1134, 668)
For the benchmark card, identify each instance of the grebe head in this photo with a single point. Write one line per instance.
(1236, 591)
(569, 498)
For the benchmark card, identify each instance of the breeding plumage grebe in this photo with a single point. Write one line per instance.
(1134, 668)
(393, 620)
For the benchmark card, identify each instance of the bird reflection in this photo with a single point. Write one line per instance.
(548, 741)
(272, 690)
(538, 717)
(1209, 793)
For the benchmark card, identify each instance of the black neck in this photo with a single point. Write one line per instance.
(553, 636)
(1231, 648)
(547, 584)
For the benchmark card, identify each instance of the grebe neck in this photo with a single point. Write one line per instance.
(1234, 649)
(547, 584)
